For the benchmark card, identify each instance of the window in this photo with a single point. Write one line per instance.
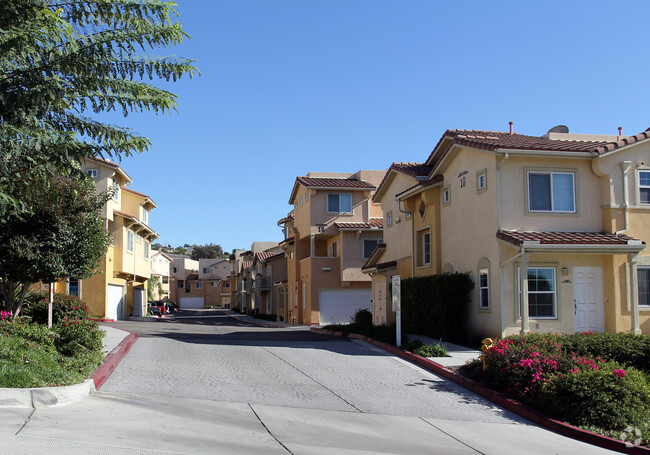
(116, 190)
(129, 241)
(306, 196)
(206, 269)
(300, 200)
(389, 218)
(92, 173)
(334, 250)
(174, 269)
(644, 187)
(145, 215)
(446, 196)
(212, 284)
(180, 284)
(481, 181)
(424, 247)
(74, 287)
(551, 192)
(541, 292)
(643, 274)
(407, 216)
(146, 250)
(304, 296)
(199, 285)
(339, 203)
(369, 246)
(484, 288)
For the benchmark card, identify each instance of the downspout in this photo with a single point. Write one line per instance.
(625, 165)
(507, 155)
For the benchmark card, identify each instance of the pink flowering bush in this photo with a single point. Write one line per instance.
(64, 306)
(78, 335)
(583, 390)
(5, 315)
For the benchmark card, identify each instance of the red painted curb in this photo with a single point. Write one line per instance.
(502, 400)
(113, 358)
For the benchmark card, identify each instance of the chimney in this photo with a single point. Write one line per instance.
(620, 131)
(510, 123)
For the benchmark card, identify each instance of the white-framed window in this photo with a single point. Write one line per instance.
(643, 278)
(446, 196)
(389, 218)
(306, 195)
(129, 241)
(206, 270)
(644, 187)
(339, 203)
(138, 238)
(212, 284)
(116, 190)
(92, 173)
(300, 200)
(74, 287)
(146, 250)
(369, 246)
(481, 181)
(145, 214)
(424, 247)
(484, 288)
(551, 192)
(199, 285)
(542, 295)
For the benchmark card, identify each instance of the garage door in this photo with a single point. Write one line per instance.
(115, 302)
(337, 306)
(191, 302)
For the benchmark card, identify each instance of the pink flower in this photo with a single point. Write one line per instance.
(619, 373)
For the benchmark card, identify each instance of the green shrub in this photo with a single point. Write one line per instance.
(625, 348)
(436, 306)
(362, 317)
(472, 369)
(21, 328)
(78, 335)
(64, 306)
(609, 397)
(426, 350)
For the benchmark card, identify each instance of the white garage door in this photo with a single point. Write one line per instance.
(115, 302)
(337, 306)
(191, 302)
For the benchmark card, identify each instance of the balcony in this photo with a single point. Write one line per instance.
(261, 284)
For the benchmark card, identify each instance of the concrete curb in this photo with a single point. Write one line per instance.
(113, 358)
(500, 399)
(36, 397)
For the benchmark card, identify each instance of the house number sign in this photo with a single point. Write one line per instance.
(463, 178)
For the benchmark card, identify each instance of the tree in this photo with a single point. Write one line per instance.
(62, 236)
(210, 251)
(61, 59)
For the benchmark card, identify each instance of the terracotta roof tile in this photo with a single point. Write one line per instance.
(246, 264)
(266, 255)
(373, 223)
(334, 183)
(564, 238)
(412, 169)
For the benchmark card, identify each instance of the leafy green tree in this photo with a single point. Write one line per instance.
(62, 236)
(210, 251)
(61, 60)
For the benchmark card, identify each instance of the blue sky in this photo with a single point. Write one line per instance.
(292, 86)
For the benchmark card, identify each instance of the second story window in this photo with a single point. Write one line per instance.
(116, 190)
(339, 203)
(146, 250)
(551, 192)
(129, 241)
(206, 270)
(369, 246)
(92, 173)
(644, 187)
(145, 215)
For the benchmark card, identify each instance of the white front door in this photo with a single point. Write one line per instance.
(588, 299)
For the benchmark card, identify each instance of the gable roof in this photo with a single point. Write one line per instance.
(494, 140)
(416, 170)
(320, 183)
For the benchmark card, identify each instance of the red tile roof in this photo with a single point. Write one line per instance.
(334, 183)
(422, 185)
(565, 238)
(412, 169)
(246, 264)
(373, 223)
(266, 255)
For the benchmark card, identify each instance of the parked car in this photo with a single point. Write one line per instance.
(157, 308)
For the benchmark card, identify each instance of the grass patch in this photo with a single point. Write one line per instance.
(426, 350)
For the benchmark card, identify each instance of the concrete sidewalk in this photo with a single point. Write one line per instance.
(116, 344)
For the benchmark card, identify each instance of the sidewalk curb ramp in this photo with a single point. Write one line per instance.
(500, 399)
(36, 397)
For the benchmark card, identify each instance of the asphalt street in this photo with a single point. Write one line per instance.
(203, 382)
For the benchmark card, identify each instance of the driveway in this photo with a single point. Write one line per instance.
(203, 382)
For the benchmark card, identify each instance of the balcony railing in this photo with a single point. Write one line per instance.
(261, 284)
